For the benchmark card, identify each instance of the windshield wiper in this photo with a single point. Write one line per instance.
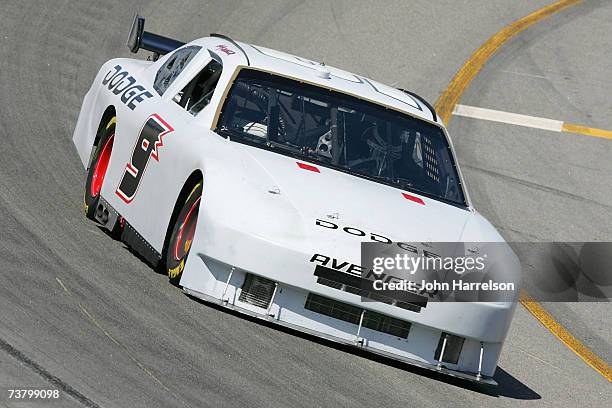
(287, 147)
(295, 151)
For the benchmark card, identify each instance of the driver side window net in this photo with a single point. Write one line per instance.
(173, 67)
(197, 93)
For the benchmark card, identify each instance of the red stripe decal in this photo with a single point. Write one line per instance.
(308, 167)
(413, 198)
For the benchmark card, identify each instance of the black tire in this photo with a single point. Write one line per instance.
(107, 133)
(179, 243)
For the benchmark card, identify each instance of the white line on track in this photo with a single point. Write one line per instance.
(529, 121)
(509, 118)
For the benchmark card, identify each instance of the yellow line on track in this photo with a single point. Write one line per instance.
(447, 101)
(583, 130)
(565, 336)
(446, 104)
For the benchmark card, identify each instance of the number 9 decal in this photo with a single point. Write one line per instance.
(147, 146)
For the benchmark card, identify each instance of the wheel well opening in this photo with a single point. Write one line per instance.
(108, 114)
(191, 182)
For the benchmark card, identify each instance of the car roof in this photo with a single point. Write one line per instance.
(234, 54)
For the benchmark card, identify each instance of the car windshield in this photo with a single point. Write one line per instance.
(340, 131)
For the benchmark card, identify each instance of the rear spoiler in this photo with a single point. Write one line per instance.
(158, 44)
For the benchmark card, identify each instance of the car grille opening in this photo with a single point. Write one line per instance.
(454, 344)
(257, 291)
(352, 314)
(368, 295)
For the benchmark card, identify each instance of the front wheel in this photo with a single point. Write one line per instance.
(182, 235)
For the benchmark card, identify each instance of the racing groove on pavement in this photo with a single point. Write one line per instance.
(169, 350)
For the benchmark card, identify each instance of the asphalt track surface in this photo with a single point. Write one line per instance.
(81, 313)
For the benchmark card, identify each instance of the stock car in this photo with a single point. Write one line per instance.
(244, 172)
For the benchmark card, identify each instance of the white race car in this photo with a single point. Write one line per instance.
(239, 170)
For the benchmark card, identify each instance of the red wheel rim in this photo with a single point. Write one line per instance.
(101, 166)
(186, 231)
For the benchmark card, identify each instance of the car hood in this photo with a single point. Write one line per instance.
(286, 199)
